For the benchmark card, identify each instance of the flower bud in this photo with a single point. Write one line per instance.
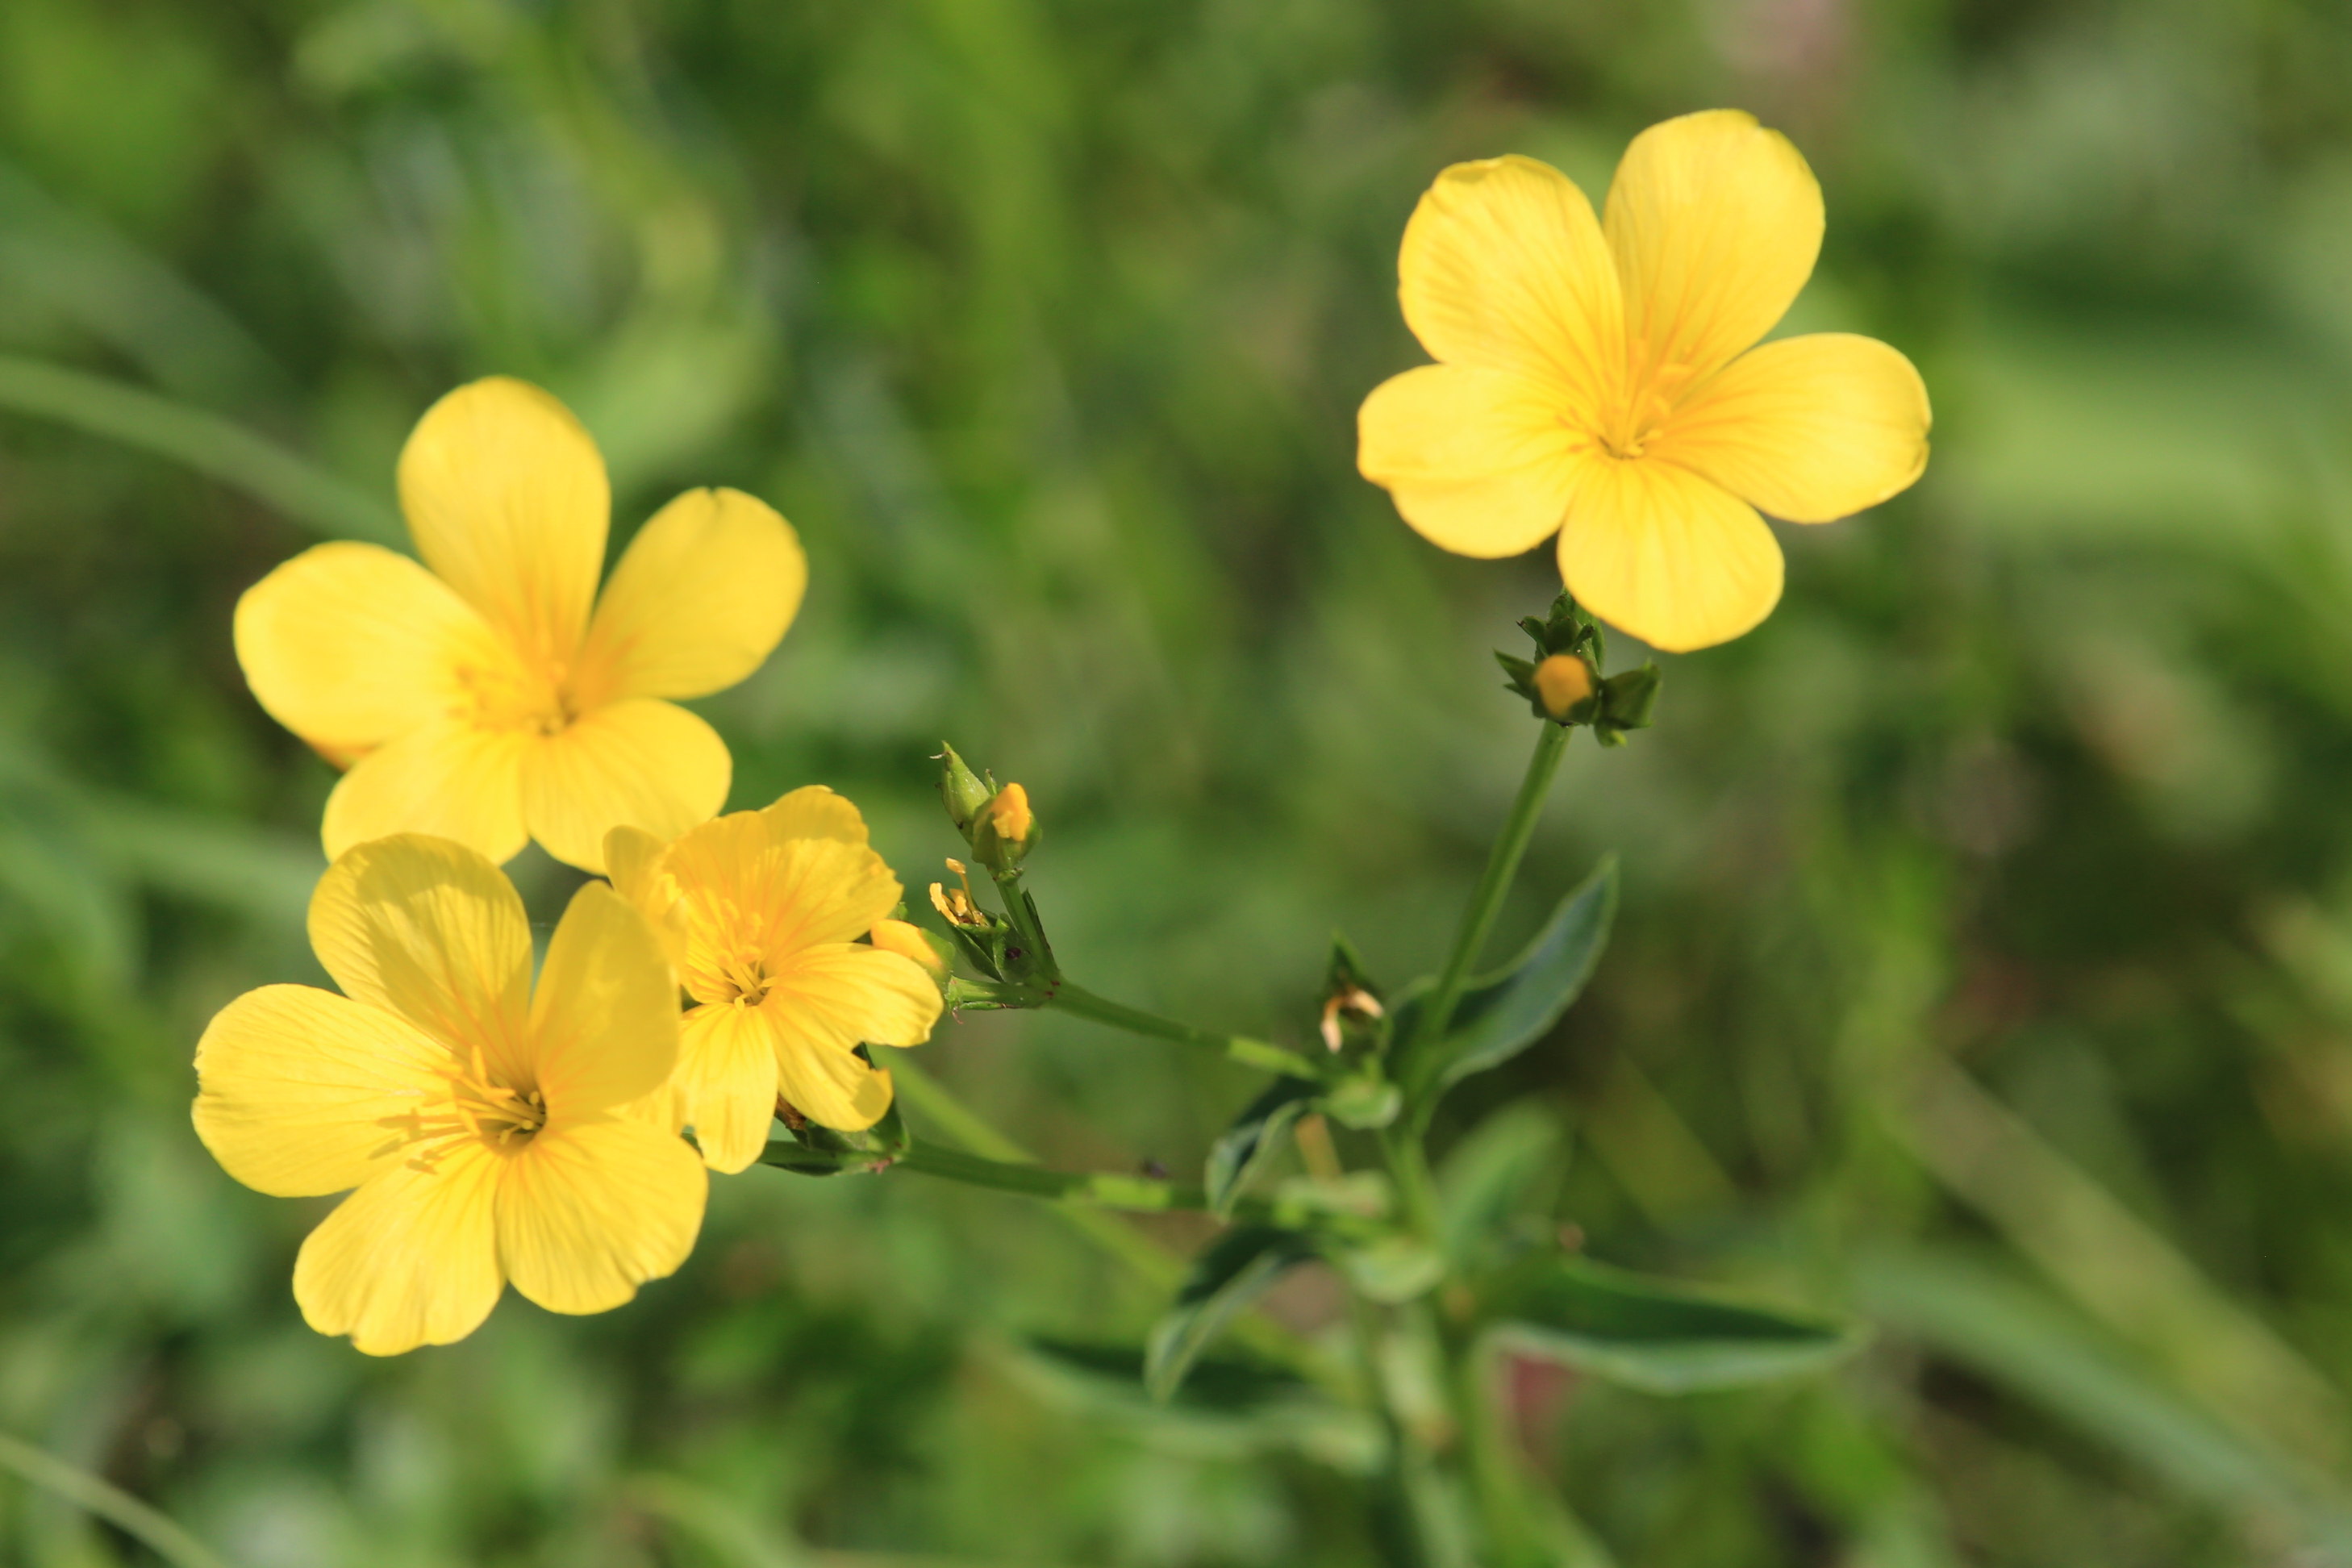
(1006, 830)
(1562, 681)
(960, 790)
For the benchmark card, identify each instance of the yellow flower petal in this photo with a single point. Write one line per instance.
(1504, 269)
(301, 1092)
(829, 1000)
(633, 859)
(603, 1019)
(1673, 559)
(640, 764)
(427, 929)
(834, 1088)
(814, 811)
(587, 1213)
(908, 940)
(742, 884)
(447, 778)
(727, 1081)
(701, 596)
(1715, 222)
(351, 645)
(1809, 429)
(506, 499)
(1480, 463)
(411, 1259)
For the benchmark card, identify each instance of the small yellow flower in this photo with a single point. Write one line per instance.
(487, 1131)
(760, 911)
(481, 699)
(1598, 378)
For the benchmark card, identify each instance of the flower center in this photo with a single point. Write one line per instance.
(481, 1103)
(511, 694)
(741, 975)
(1651, 393)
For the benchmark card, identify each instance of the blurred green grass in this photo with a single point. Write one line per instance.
(1046, 324)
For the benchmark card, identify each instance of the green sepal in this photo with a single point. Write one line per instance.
(1625, 701)
(1237, 1269)
(877, 1146)
(1253, 1138)
(1502, 1013)
(982, 946)
(1653, 1334)
(961, 791)
(1568, 629)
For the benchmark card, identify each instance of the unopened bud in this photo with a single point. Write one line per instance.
(963, 791)
(1563, 681)
(1006, 829)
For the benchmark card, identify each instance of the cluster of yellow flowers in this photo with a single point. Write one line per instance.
(488, 1128)
(1597, 379)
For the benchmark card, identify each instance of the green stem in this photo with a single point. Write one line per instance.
(1141, 1194)
(1494, 1481)
(1074, 998)
(109, 1502)
(1486, 900)
(1157, 1269)
(212, 446)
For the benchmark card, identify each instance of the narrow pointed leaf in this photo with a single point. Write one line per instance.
(1254, 1139)
(1653, 1334)
(1237, 1269)
(1503, 1013)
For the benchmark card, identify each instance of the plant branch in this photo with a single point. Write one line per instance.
(1074, 998)
(1486, 900)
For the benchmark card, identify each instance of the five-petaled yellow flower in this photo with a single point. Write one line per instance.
(490, 1133)
(1598, 378)
(482, 700)
(760, 911)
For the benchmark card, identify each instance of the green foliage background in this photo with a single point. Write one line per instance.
(1986, 964)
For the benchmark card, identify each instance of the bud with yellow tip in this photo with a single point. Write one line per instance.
(1563, 681)
(1006, 830)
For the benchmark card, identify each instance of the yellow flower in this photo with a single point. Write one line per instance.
(760, 911)
(487, 1132)
(1592, 379)
(481, 699)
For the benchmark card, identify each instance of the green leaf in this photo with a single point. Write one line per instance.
(1503, 1013)
(1230, 1406)
(1651, 1334)
(1391, 1267)
(1495, 1174)
(1237, 1269)
(1253, 1138)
